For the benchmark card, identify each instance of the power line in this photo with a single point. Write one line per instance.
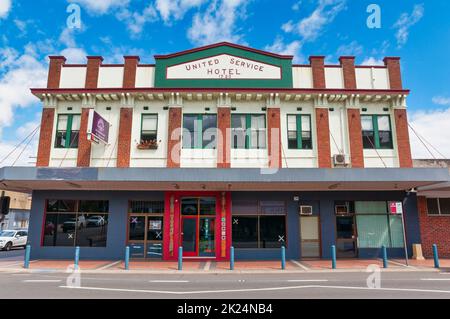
(18, 145)
(424, 140)
(23, 149)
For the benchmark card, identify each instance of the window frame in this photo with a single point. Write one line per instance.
(68, 130)
(199, 141)
(439, 214)
(142, 124)
(299, 131)
(248, 131)
(376, 132)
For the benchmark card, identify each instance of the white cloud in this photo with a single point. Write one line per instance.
(101, 6)
(176, 9)
(441, 100)
(217, 23)
(353, 48)
(136, 21)
(310, 28)
(5, 7)
(280, 47)
(372, 61)
(430, 125)
(74, 55)
(406, 21)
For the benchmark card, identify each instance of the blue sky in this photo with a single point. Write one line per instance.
(417, 31)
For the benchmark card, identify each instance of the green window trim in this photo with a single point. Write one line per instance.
(376, 131)
(299, 130)
(142, 123)
(198, 143)
(68, 130)
(248, 131)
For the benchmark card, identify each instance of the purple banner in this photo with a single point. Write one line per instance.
(100, 128)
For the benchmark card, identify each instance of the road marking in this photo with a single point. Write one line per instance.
(308, 280)
(42, 280)
(169, 281)
(207, 266)
(109, 265)
(300, 265)
(435, 279)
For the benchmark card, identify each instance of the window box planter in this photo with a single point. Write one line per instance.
(148, 145)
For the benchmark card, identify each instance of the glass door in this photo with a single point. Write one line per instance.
(345, 236)
(310, 236)
(189, 236)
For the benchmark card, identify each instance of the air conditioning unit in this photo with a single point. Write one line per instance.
(340, 160)
(341, 209)
(306, 210)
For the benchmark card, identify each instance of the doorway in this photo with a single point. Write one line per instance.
(310, 236)
(198, 223)
(346, 236)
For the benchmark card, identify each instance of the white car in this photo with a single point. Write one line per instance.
(13, 238)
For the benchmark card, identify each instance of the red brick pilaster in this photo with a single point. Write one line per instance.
(355, 137)
(93, 67)
(45, 137)
(124, 143)
(403, 143)
(224, 141)
(323, 138)
(395, 76)
(348, 71)
(274, 137)
(129, 72)
(84, 146)
(54, 71)
(174, 138)
(318, 71)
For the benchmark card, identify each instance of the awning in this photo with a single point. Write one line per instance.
(26, 179)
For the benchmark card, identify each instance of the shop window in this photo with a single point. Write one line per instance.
(199, 131)
(147, 207)
(67, 131)
(262, 225)
(80, 223)
(438, 206)
(299, 131)
(248, 131)
(376, 132)
(149, 128)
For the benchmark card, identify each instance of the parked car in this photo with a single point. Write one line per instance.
(95, 221)
(13, 238)
(71, 223)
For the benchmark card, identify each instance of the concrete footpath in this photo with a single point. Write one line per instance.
(212, 267)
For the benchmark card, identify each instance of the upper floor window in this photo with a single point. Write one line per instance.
(248, 131)
(67, 131)
(438, 206)
(199, 131)
(299, 132)
(149, 127)
(376, 131)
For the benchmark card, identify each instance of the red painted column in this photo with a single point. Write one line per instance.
(355, 137)
(323, 138)
(124, 143)
(129, 72)
(45, 137)
(403, 143)
(174, 137)
(348, 71)
(395, 76)
(318, 71)
(84, 146)
(274, 137)
(224, 137)
(54, 71)
(93, 68)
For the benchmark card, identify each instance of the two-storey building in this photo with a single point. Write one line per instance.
(222, 146)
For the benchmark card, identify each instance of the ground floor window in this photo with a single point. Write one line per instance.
(259, 224)
(438, 206)
(81, 223)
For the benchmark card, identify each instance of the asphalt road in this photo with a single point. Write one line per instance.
(15, 254)
(431, 285)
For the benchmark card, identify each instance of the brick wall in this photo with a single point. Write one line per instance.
(93, 68)
(433, 230)
(124, 143)
(274, 142)
(223, 143)
(355, 137)
(54, 71)
(84, 146)
(173, 144)
(45, 137)
(129, 72)
(323, 138)
(395, 76)
(403, 143)
(318, 71)
(348, 71)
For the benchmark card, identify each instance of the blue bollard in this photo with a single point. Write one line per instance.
(180, 258)
(127, 257)
(26, 263)
(231, 258)
(333, 256)
(385, 258)
(436, 256)
(77, 257)
(283, 257)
